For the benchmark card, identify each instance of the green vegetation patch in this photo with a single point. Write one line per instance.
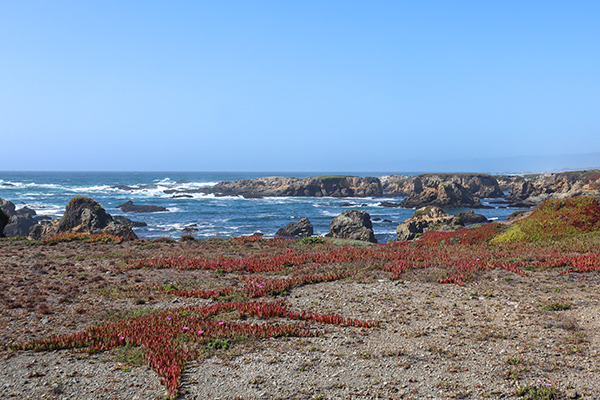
(555, 220)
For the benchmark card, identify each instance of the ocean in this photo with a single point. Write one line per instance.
(49, 192)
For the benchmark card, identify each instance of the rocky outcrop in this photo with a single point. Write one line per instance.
(296, 230)
(469, 217)
(352, 224)
(423, 220)
(82, 215)
(477, 185)
(532, 190)
(319, 186)
(446, 195)
(134, 208)
(20, 221)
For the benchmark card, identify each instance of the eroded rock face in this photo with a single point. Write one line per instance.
(532, 190)
(319, 186)
(477, 185)
(446, 195)
(423, 220)
(353, 224)
(295, 230)
(82, 215)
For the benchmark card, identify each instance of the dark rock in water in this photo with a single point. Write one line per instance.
(299, 229)
(353, 224)
(182, 196)
(346, 205)
(130, 207)
(376, 219)
(469, 217)
(127, 221)
(181, 181)
(82, 215)
(189, 230)
(387, 220)
(389, 204)
(252, 196)
(424, 219)
(258, 234)
(8, 184)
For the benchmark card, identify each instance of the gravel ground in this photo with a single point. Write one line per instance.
(483, 340)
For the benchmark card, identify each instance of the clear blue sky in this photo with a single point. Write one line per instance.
(299, 85)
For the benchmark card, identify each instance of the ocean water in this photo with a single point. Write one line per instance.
(49, 192)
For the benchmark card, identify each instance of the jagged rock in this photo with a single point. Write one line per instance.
(19, 222)
(299, 229)
(82, 215)
(446, 194)
(531, 190)
(353, 224)
(319, 186)
(424, 219)
(477, 185)
(130, 207)
(127, 221)
(469, 217)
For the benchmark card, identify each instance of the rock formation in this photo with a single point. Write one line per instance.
(3, 222)
(130, 207)
(532, 190)
(353, 224)
(423, 220)
(319, 186)
(127, 221)
(20, 221)
(296, 230)
(477, 185)
(469, 217)
(82, 215)
(446, 195)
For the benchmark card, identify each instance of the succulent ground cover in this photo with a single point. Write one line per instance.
(172, 304)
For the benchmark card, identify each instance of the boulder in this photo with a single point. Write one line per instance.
(469, 217)
(3, 222)
(19, 221)
(423, 220)
(389, 204)
(295, 230)
(8, 207)
(19, 225)
(353, 224)
(82, 215)
(130, 207)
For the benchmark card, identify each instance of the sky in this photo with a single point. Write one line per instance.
(392, 86)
